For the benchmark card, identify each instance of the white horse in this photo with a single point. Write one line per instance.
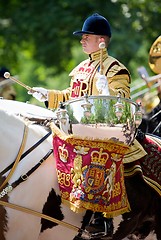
(20, 215)
(31, 194)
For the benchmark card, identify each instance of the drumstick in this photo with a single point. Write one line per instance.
(7, 75)
(101, 47)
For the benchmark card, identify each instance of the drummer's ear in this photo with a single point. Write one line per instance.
(102, 39)
(105, 39)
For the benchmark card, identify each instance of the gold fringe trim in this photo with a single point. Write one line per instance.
(72, 207)
(109, 214)
(117, 212)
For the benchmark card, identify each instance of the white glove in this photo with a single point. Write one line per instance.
(102, 85)
(41, 94)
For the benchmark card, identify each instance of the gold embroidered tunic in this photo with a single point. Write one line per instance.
(85, 75)
(83, 80)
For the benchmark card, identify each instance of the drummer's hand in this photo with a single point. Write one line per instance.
(41, 94)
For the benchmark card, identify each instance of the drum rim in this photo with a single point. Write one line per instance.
(101, 97)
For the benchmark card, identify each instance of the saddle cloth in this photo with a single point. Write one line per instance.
(135, 152)
(149, 165)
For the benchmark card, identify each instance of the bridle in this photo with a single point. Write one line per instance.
(27, 152)
(19, 157)
(24, 177)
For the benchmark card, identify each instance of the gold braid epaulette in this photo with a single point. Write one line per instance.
(57, 96)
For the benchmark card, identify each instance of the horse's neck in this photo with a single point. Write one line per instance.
(11, 135)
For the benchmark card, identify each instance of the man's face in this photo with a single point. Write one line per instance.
(90, 43)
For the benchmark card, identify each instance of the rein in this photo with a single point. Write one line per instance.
(14, 165)
(25, 176)
(38, 214)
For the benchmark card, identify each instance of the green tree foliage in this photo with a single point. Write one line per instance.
(36, 41)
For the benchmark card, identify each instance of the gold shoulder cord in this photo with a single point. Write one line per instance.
(91, 78)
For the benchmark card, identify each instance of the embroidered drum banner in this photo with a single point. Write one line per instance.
(91, 175)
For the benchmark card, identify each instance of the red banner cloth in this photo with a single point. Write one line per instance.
(91, 174)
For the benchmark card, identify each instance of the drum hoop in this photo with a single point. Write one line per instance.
(100, 97)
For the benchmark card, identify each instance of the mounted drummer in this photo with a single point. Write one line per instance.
(7, 91)
(98, 75)
(96, 29)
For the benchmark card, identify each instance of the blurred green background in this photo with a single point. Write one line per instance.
(38, 47)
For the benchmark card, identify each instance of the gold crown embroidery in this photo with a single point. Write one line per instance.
(63, 153)
(99, 157)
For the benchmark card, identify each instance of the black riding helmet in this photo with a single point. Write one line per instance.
(95, 24)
